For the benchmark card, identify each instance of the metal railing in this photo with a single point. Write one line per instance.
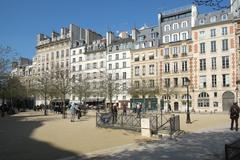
(158, 122)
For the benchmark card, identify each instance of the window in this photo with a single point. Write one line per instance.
(110, 57)
(202, 47)
(124, 86)
(225, 62)
(117, 56)
(175, 67)
(117, 47)
(175, 81)
(124, 55)
(224, 17)
(225, 44)
(167, 82)
(124, 75)
(175, 37)
(202, 34)
(175, 26)
(214, 80)
(184, 49)
(80, 67)
(57, 54)
(88, 66)
(213, 32)
(137, 71)
(184, 66)
(136, 58)
(116, 65)
(166, 39)
(215, 104)
(143, 70)
(226, 79)
(201, 21)
(184, 35)
(213, 19)
(73, 68)
(124, 64)
(74, 60)
(224, 30)
(67, 52)
(136, 84)
(79, 51)
(202, 64)
(95, 65)
(215, 94)
(184, 24)
(151, 56)
(101, 64)
(184, 81)
(213, 46)
(214, 63)
(109, 66)
(74, 52)
(203, 100)
(167, 28)
(203, 82)
(110, 76)
(166, 51)
(167, 68)
(80, 59)
(143, 57)
(117, 76)
(52, 55)
(175, 51)
(151, 69)
(151, 83)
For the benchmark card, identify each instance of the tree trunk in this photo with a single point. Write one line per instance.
(45, 105)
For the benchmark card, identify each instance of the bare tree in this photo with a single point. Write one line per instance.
(62, 83)
(81, 88)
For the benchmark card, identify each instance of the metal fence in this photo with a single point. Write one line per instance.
(132, 122)
(232, 151)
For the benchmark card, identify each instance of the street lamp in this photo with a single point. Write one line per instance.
(187, 83)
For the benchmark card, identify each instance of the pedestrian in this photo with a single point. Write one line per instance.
(234, 115)
(138, 110)
(124, 109)
(73, 110)
(115, 111)
(79, 111)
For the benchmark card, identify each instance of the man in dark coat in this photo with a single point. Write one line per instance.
(234, 115)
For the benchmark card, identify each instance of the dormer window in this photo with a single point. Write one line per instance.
(184, 24)
(167, 28)
(175, 26)
(201, 21)
(224, 17)
(141, 38)
(213, 19)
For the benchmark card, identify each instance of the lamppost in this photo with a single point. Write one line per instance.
(237, 89)
(187, 83)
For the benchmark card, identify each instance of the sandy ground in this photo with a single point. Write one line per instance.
(30, 134)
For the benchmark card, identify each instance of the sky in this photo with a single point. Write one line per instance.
(22, 20)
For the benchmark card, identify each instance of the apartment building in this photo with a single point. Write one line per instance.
(119, 66)
(215, 61)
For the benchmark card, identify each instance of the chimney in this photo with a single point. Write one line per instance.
(134, 34)
(110, 37)
(123, 35)
(40, 37)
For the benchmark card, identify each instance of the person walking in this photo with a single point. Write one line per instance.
(234, 115)
(138, 110)
(124, 109)
(114, 113)
(73, 110)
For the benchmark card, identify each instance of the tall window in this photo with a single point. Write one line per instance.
(175, 37)
(213, 46)
(226, 79)
(143, 70)
(124, 64)
(167, 28)
(214, 63)
(175, 67)
(184, 66)
(175, 26)
(166, 38)
(175, 80)
(151, 69)
(151, 83)
(117, 56)
(202, 64)
(137, 71)
(184, 35)
(202, 34)
(80, 67)
(124, 75)
(224, 30)
(175, 50)
(166, 51)
(225, 62)
(203, 82)
(136, 84)
(213, 19)
(167, 67)
(203, 100)
(224, 17)
(214, 80)
(184, 49)
(184, 81)
(116, 65)
(184, 24)
(213, 32)
(202, 47)
(167, 82)
(117, 76)
(110, 57)
(124, 55)
(225, 44)
(110, 66)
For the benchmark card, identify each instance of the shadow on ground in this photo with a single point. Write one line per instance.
(16, 142)
(197, 146)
